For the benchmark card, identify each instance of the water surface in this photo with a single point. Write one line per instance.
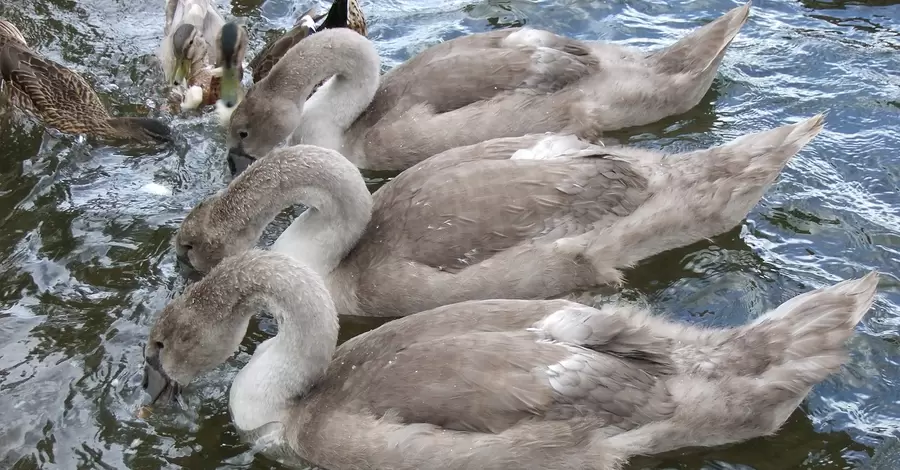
(85, 229)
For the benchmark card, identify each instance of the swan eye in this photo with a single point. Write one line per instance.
(243, 134)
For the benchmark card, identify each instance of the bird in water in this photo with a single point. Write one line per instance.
(62, 98)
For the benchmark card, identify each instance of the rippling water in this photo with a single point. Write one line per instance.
(86, 260)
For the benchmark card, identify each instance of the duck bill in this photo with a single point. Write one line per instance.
(182, 72)
(159, 386)
(230, 86)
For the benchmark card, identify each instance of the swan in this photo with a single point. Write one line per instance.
(524, 217)
(503, 83)
(493, 384)
(62, 98)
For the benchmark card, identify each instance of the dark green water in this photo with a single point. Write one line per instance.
(86, 260)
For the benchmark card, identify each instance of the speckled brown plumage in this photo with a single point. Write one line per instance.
(203, 16)
(61, 98)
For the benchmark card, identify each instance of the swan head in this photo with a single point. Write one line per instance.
(188, 47)
(211, 232)
(197, 331)
(259, 123)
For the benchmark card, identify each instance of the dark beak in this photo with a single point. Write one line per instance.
(181, 254)
(238, 161)
(184, 265)
(161, 388)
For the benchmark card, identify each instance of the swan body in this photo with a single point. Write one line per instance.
(526, 217)
(503, 83)
(492, 384)
(62, 98)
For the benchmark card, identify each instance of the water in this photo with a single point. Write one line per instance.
(85, 230)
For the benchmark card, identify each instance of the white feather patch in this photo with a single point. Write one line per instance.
(193, 97)
(528, 37)
(308, 22)
(551, 147)
(568, 325)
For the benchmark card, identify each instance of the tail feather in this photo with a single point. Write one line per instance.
(821, 320)
(704, 48)
(696, 196)
(815, 327)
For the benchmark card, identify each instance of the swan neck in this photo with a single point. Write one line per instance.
(338, 204)
(336, 217)
(287, 366)
(350, 68)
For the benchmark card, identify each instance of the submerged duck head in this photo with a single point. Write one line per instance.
(145, 130)
(188, 47)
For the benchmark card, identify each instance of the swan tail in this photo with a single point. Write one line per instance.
(693, 196)
(702, 50)
(807, 335)
(736, 395)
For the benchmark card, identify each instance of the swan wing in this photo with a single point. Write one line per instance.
(470, 69)
(463, 207)
(467, 368)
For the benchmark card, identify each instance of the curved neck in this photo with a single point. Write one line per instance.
(352, 68)
(287, 366)
(338, 203)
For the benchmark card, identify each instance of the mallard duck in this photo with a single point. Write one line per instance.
(190, 50)
(61, 98)
(494, 384)
(519, 218)
(342, 14)
(467, 90)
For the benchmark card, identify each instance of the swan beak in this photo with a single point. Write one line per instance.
(238, 161)
(161, 388)
(181, 72)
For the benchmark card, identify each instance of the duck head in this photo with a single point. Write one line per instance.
(188, 47)
(232, 48)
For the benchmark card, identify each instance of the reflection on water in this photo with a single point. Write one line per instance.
(86, 260)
